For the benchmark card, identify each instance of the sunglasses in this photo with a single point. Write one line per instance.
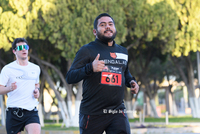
(21, 47)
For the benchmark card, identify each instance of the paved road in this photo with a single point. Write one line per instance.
(146, 128)
(137, 128)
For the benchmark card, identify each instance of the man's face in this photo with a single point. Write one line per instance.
(106, 30)
(21, 50)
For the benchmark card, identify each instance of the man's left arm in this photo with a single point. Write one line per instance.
(36, 92)
(131, 82)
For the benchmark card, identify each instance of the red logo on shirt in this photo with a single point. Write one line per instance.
(113, 55)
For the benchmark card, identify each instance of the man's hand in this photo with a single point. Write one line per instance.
(97, 64)
(134, 87)
(36, 93)
(13, 86)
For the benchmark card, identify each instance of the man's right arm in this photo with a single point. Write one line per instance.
(5, 90)
(81, 67)
(3, 79)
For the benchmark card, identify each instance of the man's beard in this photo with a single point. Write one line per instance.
(104, 38)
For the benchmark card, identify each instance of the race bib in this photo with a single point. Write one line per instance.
(111, 76)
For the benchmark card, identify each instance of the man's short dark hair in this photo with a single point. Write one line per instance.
(98, 17)
(17, 40)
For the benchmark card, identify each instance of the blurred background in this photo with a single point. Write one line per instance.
(162, 38)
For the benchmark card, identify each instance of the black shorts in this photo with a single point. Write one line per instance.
(110, 123)
(17, 119)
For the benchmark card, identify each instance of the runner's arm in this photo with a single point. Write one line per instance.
(81, 67)
(37, 91)
(128, 77)
(5, 90)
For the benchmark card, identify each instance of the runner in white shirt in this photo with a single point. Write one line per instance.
(20, 81)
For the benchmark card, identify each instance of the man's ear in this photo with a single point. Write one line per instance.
(95, 32)
(14, 51)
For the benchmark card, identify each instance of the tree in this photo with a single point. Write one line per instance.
(187, 40)
(151, 31)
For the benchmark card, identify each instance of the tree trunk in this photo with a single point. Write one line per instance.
(77, 104)
(61, 102)
(69, 97)
(189, 82)
(148, 107)
(168, 96)
(194, 106)
(134, 108)
(174, 108)
(153, 108)
(191, 89)
(67, 86)
(41, 115)
(169, 101)
(3, 118)
(40, 107)
(63, 109)
(150, 91)
(128, 103)
(151, 98)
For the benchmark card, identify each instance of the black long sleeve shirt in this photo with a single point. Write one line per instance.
(101, 90)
